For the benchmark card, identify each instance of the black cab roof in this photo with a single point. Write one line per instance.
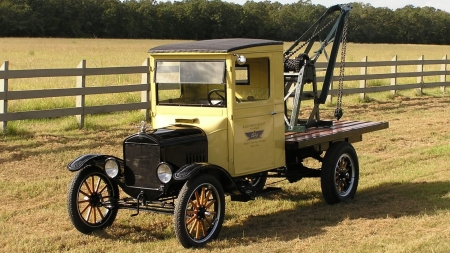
(213, 46)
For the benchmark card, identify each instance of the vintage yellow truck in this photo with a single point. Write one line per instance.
(221, 124)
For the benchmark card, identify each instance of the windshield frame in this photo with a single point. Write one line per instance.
(211, 75)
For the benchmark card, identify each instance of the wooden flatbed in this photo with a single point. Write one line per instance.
(321, 137)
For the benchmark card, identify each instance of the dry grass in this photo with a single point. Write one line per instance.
(402, 205)
(43, 53)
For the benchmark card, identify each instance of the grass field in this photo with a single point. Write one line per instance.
(402, 204)
(45, 53)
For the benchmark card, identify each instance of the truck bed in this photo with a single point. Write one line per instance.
(321, 137)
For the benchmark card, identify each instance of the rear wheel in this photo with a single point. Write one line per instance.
(200, 211)
(90, 199)
(340, 173)
(257, 181)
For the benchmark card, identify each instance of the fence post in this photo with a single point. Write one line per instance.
(444, 76)
(329, 97)
(363, 83)
(4, 103)
(145, 94)
(81, 83)
(420, 78)
(394, 79)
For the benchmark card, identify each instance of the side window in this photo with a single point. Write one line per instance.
(252, 80)
(242, 75)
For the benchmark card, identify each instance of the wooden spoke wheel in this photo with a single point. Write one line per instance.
(90, 200)
(200, 211)
(340, 173)
(257, 181)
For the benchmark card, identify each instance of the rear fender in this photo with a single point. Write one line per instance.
(97, 160)
(190, 170)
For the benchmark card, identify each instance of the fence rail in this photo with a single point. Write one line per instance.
(393, 76)
(80, 90)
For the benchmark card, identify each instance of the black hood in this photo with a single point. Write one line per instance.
(169, 136)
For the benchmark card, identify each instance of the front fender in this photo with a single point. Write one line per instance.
(90, 159)
(190, 170)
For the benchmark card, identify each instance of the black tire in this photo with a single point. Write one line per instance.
(257, 181)
(340, 173)
(90, 200)
(200, 211)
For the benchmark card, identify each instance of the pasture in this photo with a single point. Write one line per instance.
(402, 204)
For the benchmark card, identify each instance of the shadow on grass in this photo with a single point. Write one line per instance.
(391, 200)
(400, 104)
(388, 200)
(32, 144)
(133, 233)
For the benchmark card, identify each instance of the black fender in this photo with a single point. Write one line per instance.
(90, 159)
(190, 170)
(98, 160)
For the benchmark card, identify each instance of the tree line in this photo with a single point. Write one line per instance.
(209, 19)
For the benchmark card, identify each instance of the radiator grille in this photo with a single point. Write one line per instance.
(142, 159)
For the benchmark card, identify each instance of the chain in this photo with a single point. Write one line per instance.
(288, 55)
(338, 112)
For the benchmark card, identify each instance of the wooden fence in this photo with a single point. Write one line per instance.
(394, 75)
(80, 91)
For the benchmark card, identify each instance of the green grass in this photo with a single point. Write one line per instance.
(402, 203)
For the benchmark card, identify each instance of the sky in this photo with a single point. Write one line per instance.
(392, 4)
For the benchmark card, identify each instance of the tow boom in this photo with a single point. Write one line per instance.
(301, 70)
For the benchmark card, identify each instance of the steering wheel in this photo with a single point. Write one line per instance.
(218, 92)
(221, 93)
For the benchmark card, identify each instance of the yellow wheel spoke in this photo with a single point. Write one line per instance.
(207, 198)
(203, 228)
(197, 200)
(191, 212)
(197, 230)
(210, 203)
(191, 219)
(202, 196)
(194, 205)
(193, 226)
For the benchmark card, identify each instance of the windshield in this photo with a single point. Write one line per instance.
(194, 83)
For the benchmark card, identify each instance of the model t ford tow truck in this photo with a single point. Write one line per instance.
(221, 126)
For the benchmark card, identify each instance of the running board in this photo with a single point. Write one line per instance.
(252, 195)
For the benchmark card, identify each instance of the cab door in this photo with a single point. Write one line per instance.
(254, 141)
(253, 118)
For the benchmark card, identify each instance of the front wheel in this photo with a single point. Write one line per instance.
(90, 200)
(200, 211)
(340, 173)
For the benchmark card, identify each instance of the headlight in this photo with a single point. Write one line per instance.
(112, 167)
(164, 172)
